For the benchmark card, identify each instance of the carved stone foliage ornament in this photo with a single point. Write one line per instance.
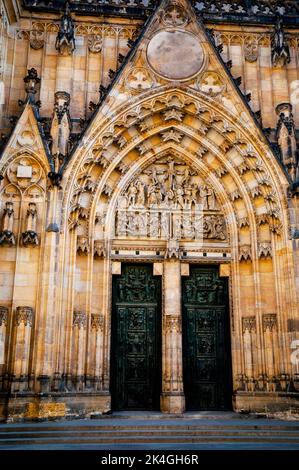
(174, 16)
(24, 315)
(138, 79)
(37, 39)
(175, 55)
(95, 43)
(251, 50)
(169, 200)
(24, 171)
(211, 84)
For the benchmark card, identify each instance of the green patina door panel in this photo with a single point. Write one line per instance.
(206, 340)
(136, 339)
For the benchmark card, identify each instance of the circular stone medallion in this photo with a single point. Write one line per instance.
(176, 55)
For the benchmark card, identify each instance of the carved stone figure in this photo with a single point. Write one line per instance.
(61, 127)
(208, 197)
(132, 193)
(6, 236)
(168, 193)
(31, 81)
(65, 40)
(286, 137)
(280, 48)
(83, 246)
(29, 237)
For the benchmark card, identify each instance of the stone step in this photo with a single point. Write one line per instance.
(116, 433)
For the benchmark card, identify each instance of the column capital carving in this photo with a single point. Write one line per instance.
(3, 315)
(24, 315)
(249, 324)
(99, 249)
(269, 321)
(79, 319)
(97, 321)
(172, 324)
(83, 245)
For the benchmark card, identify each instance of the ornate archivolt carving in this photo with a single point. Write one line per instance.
(179, 103)
(249, 324)
(172, 134)
(24, 315)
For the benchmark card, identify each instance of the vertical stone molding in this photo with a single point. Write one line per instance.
(172, 398)
(79, 348)
(250, 350)
(22, 341)
(3, 330)
(96, 350)
(271, 343)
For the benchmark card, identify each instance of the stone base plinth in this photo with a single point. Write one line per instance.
(172, 402)
(53, 406)
(263, 402)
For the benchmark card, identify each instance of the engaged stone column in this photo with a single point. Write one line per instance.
(79, 348)
(96, 351)
(3, 326)
(172, 398)
(23, 325)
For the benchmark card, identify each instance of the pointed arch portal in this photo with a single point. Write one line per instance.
(164, 271)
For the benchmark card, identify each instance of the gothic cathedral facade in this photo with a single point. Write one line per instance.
(149, 217)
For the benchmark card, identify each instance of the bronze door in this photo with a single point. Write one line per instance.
(136, 339)
(206, 340)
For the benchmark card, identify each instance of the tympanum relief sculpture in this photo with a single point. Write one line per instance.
(169, 200)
